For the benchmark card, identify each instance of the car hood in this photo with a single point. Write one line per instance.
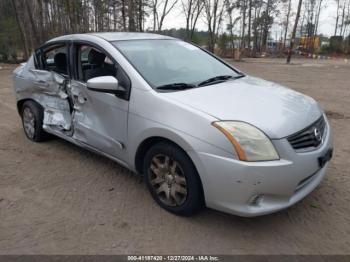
(276, 110)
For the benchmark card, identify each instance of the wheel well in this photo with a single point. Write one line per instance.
(21, 102)
(147, 144)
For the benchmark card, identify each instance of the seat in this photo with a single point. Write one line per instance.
(98, 67)
(60, 60)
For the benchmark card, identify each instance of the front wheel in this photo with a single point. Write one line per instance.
(173, 180)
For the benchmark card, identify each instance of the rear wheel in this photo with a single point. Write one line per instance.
(172, 179)
(32, 120)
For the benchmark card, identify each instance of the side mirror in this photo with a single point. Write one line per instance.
(105, 84)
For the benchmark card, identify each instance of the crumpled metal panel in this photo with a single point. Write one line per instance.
(49, 89)
(57, 114)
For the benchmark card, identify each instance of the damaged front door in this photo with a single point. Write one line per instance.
(99, 119)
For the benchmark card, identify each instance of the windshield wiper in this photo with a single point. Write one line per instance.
(176, 86)
(218, 79)
(183, 86)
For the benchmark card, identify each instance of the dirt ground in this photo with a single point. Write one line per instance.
(56, 198)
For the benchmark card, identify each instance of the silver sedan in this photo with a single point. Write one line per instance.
(201, 132)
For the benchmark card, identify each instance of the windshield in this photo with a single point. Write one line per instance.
(165, 62)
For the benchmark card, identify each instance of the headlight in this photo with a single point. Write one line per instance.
(250, 143)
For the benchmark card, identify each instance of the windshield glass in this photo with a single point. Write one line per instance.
(163, 62)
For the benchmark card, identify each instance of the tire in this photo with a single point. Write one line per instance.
(172, 179)
(32, 120)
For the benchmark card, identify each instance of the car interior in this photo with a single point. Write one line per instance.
(55, 59)
(60, 61)
(93, 63)
(90, 63)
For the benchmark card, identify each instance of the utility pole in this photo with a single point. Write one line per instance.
(294, 32)
(337, 19)
(287, 24)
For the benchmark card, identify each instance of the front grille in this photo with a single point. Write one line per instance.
(312, 136)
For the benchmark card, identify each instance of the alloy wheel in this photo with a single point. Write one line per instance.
(29, 122)
(168, 180)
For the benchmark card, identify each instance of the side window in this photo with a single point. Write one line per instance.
(54, 58)
(94, 63)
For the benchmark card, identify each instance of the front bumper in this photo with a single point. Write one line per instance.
(258, 188)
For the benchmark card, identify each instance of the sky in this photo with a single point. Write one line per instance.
(326, 27)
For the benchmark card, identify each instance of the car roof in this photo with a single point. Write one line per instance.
(111, 36)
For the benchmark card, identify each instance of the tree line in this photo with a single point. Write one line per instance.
(26, 24)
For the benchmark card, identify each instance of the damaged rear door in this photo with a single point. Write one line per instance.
(57, 112)
(51, 87)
